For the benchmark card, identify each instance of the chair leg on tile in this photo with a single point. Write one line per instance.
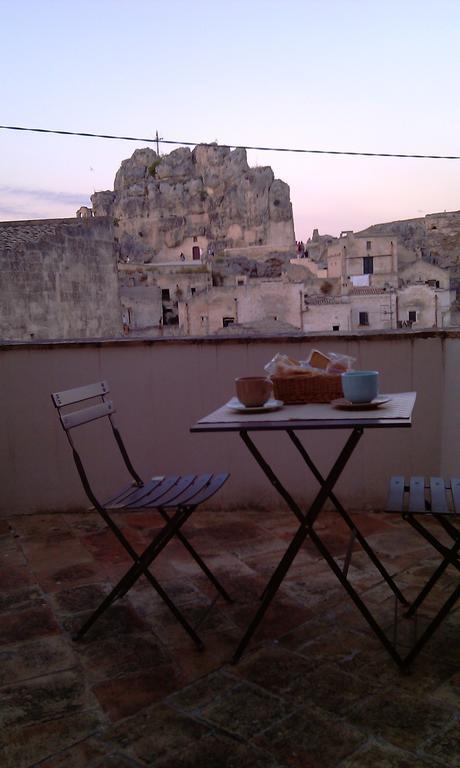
(139, 568)
(200, 562)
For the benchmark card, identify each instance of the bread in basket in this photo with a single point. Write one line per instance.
(307, 388)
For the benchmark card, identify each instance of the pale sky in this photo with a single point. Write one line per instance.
(375, 76)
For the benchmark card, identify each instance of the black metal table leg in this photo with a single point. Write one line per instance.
(304, 529)
(356, 598)
(347, 519)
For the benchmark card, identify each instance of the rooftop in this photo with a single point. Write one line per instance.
(314, 688)
(359, 290)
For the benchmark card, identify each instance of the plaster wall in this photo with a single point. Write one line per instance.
(420, 271)
(334, 265)
(257, 252)
(432, 307)
(380, 246)
(186, 247)
(380, 308)
(142, 309)
(345, 256)
(311, 266)
(251, 302)
(160, 388)
(323, 317)
(383, 265)
(383, 310)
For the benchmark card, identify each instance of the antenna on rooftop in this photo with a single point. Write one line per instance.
(158, 139)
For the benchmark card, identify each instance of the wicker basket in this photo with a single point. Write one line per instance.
(307, 389)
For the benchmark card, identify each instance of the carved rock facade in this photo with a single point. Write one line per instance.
(195, 203)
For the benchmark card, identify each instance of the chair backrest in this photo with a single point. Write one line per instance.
(77, 416)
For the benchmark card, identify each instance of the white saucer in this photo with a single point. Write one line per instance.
(345, 405)
(235, 406)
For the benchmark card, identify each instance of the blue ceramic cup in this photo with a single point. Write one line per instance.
(360, 386)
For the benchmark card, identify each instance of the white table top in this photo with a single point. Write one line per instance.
(397, 412)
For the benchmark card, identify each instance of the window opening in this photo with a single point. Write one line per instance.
(226, 321)
(364, 318)
(368, 265)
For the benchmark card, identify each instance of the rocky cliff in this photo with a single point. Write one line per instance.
(209, 199)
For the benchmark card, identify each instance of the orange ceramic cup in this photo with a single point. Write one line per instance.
(253, 391)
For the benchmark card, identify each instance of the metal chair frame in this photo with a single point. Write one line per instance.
(181, 494)
(440, 499)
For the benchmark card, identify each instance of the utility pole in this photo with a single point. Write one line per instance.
(158, 139)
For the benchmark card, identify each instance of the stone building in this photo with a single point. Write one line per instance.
(58, 280)
(195, 242)
(363, 260)
(171, 226)
(242, 304)
(435, 238)
(369, 290)
(151, 293)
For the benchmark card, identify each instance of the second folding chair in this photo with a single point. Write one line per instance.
(438, 499)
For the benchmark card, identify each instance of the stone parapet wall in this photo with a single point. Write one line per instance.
(259, 252)
(58, 279)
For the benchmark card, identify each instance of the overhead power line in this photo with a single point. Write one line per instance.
(157, 141)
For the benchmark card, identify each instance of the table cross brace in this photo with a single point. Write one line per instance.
(305, 530)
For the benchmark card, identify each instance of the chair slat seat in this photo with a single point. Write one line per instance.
(122, 495)
(419, 496)
(182, 493)
(170, 492)
(438, 490)
(176, 495)
(455, 487)
(147, 495)
(211, 488)
(395, 501)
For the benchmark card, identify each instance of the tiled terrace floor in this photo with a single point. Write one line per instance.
(314, 690)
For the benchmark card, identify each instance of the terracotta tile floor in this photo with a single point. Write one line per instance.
(315, 689)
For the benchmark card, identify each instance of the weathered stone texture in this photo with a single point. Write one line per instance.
(58, 279)
(436, 237)
(209, 196)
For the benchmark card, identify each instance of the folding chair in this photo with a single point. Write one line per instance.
(439, 499)
(180, 494)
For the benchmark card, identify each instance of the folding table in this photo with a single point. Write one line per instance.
(395, 414)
